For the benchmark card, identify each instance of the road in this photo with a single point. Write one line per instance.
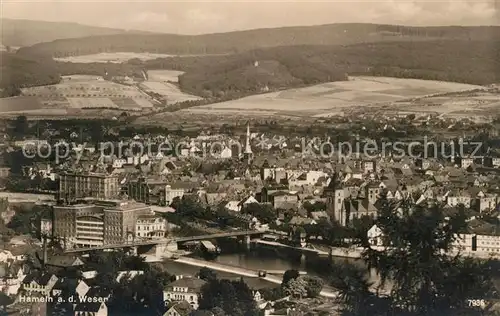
(278, 244)
(242, 272)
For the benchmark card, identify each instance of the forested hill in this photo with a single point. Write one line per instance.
(475, 62)
(232, 42)
(236, 75)
(28, 32)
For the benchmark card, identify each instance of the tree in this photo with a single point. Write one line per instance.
(207, 274)
(289, 275)
(233, 297)
(272, 294)
(410, 117)
(263, 212)
(5, 301)
(314, 285)
(296, 288)
(217, 311)
(354, 289)
(314, 207)
(142, 295)
(21, 127)
(426, 279)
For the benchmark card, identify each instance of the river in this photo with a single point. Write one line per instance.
(258, 259)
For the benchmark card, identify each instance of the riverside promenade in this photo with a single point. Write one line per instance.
(242, 271)
(353, 253)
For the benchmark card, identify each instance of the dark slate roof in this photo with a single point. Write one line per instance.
(183, 308)
(62, 261)
(68, 285)
(38, 277)
(88, 307)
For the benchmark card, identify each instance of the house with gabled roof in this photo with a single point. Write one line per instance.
(455, 197)
(70, 287)
(39, 282)
(232, 206)
(246, 201)
(182, 308)
(301, 221)
(11, 276)
(91, 309)
(64, 262)
(283, 199)
(359, 208)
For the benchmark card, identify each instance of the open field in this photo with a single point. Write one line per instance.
(111, 57)
(160, 81)
(363, 92)
(93, 92)
(89, 92)
(77, 92)
(164, 75)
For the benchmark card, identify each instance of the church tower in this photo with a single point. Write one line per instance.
(335, 197)
(248, 154)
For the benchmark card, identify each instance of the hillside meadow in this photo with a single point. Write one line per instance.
(364, 92)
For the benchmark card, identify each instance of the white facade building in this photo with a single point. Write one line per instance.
(184, 289)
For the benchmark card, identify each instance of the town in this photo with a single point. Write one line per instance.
(215, 158)
(68, 213)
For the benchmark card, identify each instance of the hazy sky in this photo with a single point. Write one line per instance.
(190, 17)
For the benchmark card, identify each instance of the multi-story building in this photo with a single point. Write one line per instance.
(100, 223)
(184, 289)
(81, 185)
(150, 226)
(80, 224)
(146, 190)
(171, 194)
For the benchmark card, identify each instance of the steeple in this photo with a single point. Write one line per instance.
(248, 148)
(248, 154)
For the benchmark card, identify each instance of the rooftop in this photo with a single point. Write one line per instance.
(190, 283)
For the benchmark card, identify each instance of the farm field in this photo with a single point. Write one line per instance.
(89, 92)
(338, 97)
(111, 57)
(160, 81)
(15, 104)
(164, 75)
(78, 92)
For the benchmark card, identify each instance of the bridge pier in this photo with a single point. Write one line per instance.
(245, 240)
(160, 249)
(172, 246)
(302, 258)
(133, 250)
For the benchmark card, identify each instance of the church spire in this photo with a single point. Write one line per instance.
(248, 148)
(248, 154)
